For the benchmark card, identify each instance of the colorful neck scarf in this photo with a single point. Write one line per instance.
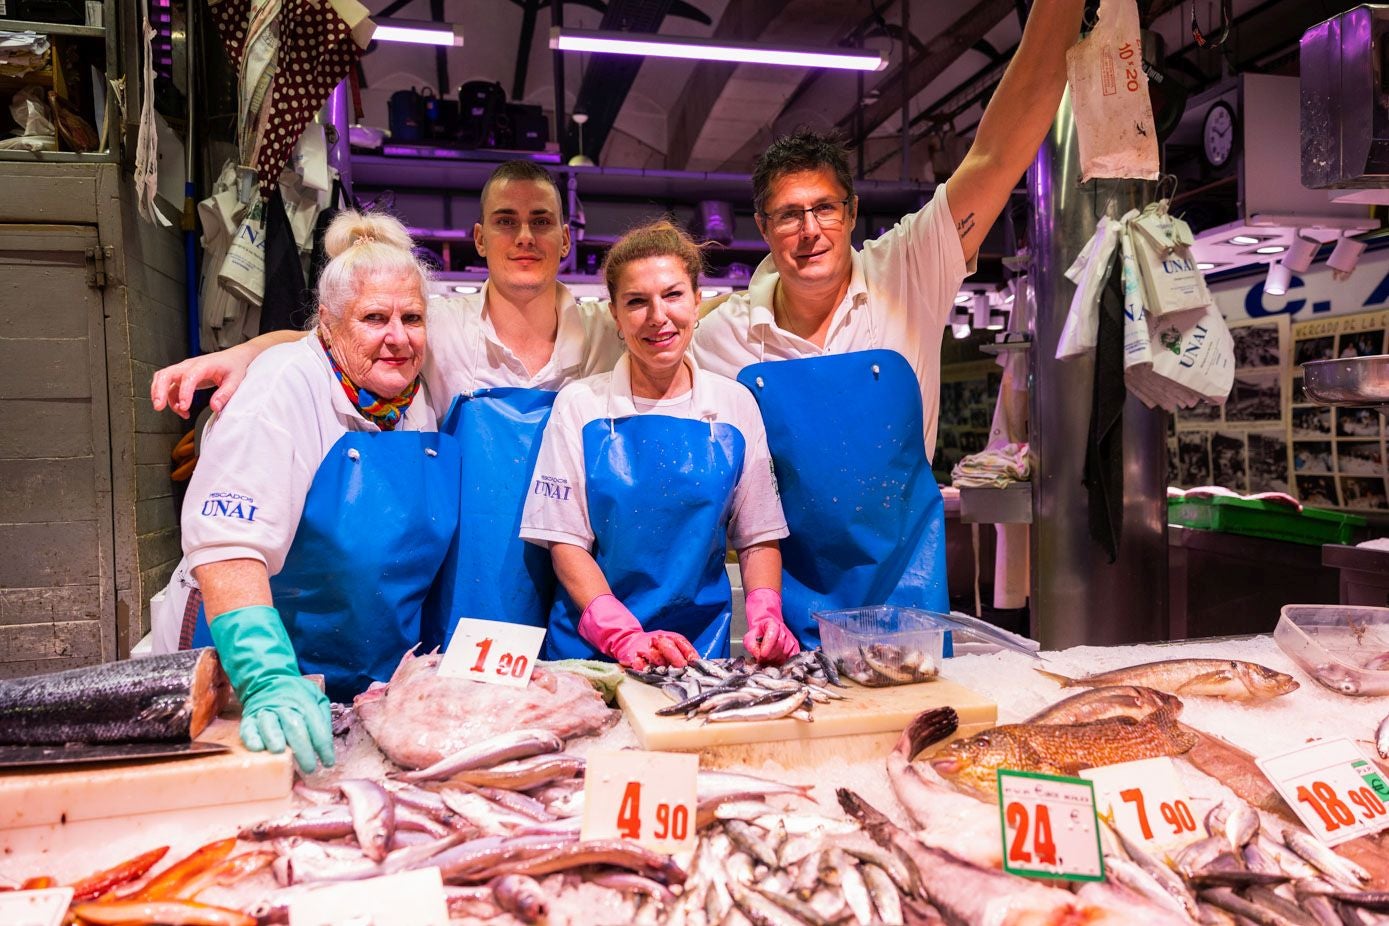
(386, 413)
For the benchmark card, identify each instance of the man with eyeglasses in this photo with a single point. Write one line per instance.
(851, 420)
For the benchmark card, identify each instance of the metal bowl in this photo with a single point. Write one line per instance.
(1361, 381)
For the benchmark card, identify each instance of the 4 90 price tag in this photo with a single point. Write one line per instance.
(494, 652)
(1337, 793)
(647, 797)
(1049, 826)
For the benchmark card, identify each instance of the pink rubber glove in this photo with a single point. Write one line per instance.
(611, 629)
(768, 638)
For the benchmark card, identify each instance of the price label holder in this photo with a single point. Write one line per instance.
(1049, 826)
(1335, 790)
(648, 797)
(411, 898)
(1147, 801)
(492, 651)
(46, 907)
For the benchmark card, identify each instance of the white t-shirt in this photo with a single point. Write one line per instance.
(560, 516)
(261, 453)
(903, 286)
(465, 353)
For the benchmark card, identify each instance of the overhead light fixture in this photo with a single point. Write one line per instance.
(998, 318)
(417, 32)
(1344, 257)
(1300, 256)
(960, 331)
(980, 311)
(962, 298)
(1279, 279)
(1270, 249)
(1245, 239)
(697, 49)
(467, 289)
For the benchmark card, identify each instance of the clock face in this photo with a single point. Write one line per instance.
(1218, 135)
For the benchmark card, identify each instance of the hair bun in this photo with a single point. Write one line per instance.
(350, 227)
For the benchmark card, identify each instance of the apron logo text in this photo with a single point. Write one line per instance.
(551, 487)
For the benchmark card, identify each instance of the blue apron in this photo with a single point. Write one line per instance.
(490, 572)
(660, 493)
(866, 517)
(376, 524)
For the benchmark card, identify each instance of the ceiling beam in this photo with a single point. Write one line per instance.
(743, 20)
(939, 54)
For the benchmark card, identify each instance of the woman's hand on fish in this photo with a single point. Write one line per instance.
(768, 639)
(661, 648)
(615, 632)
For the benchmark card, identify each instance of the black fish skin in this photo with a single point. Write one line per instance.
(146, 700)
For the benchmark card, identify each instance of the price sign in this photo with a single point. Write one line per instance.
(411, 898)
(1049, 826)
(648, 797)
(492, 651)
(1336, 791)
(47, 907)
(1146, 799)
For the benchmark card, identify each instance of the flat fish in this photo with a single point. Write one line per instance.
(156, 699)
(1231, 679)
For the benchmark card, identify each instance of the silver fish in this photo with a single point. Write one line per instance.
(1382, 738)
(522, 897)
(1323, 859)
(798, 908)
(746, 839)
(495, 750)
(886, 901)
(373, 815)
(1270, 900)
(1136, 879)
(1226, 899)
(1337, 678)
(524, 774)
(330, 821)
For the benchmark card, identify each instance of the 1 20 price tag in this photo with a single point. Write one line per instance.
(492, 651)
(1049, 826)
(45, 907)
(411, 898)
(1147, 800)
(648, 797)
(1335, 790)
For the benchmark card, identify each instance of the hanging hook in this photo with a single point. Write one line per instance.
(1212, 41)
(1164, 181)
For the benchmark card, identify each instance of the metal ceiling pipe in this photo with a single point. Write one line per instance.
(1078, 597)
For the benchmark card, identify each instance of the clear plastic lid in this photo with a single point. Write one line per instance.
(965, 627)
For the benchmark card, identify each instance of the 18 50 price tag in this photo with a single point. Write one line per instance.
(1147, 800)
(411, 898)
(492, 651)
(47, 907)
(1336, 792)
(1049, 826)
(648, 797)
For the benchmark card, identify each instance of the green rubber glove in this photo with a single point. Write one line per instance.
(279, 706)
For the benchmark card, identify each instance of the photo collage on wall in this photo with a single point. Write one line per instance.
(1242, 446)
(1338, 455)
(968, 393)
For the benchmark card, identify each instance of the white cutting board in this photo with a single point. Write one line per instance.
(867, 723)
(71, 823)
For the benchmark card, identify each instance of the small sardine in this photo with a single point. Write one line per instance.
(1226, 899)
(1136, 879)
(798, 908)
(855, 889)
(877, 857)
(1323, 859)
(522, 897)
(518, 744)
(772, 710)
(1271, 900)
(1199, 854)
(748, 840)
(883, 893)
(1239, 824)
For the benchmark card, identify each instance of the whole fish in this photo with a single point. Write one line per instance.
(1230, 679)
(327, 821)
(615, 852)
(972, 764)
(1382, 738)
(1108, 701)
(523, 774)
(155, 699)
(373, 816)
(522, 897)
(518, 744)
(1323, 858)
(883, 891)
(170, 912)
(772, 710)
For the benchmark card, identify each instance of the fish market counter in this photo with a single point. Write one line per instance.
(1008, 679)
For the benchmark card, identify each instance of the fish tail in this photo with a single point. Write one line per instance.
(1064, 681)
(926, 728)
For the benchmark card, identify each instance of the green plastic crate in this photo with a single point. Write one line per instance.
(1269, 520)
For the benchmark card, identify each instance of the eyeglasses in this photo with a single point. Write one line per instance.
(827, 215)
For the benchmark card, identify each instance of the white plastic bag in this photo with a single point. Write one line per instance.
(1162, 246)
(1088, 273)
(1109, 96)
(243, 270)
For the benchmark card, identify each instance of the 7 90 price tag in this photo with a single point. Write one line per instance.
(1146, 799)
(1049, 826)
(1336, 792)
(492, 651)
(647, 797)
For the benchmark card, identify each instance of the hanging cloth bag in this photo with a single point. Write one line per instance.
(1162, 247)
(1109, 96)
(1088, 272)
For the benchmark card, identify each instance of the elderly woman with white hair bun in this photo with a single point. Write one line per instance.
(323, 502)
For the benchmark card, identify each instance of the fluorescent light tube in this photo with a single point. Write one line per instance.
(417, 32)
(654, 46)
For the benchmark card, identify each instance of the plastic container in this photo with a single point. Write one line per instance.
(884, 645)
(1343, 647)
(1269, 520)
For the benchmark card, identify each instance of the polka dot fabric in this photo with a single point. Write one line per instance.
(316, 53)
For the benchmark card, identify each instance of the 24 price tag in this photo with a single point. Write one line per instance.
(492, 651)
(47, 907)
(1049, 826)
(1147, 800)
(648, 797)
(1335, 790)
(411, 898)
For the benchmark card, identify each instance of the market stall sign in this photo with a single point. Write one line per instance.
(47, 907)
(494, 652)
(411, 898)
(1049, 826)
(1336, 792)
(647, 797)
(1146, 800)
